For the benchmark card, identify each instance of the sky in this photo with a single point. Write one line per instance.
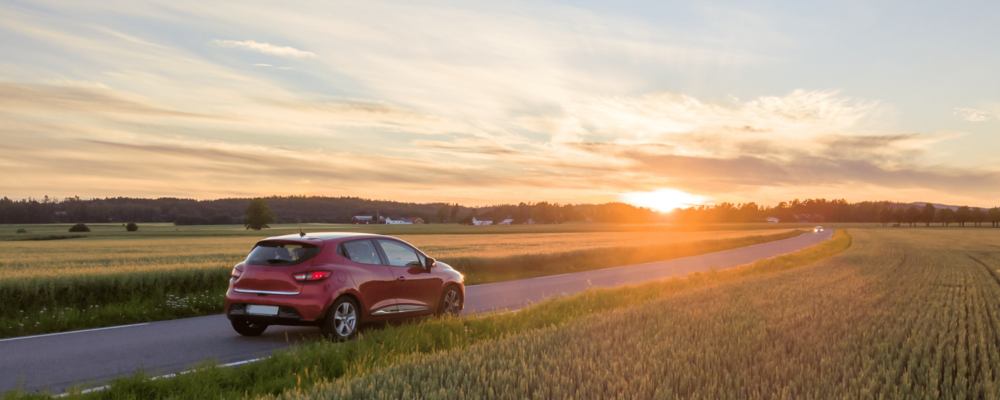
(660, 104)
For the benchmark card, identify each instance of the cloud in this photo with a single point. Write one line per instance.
(974, 115)
(265, 48)
(800, 121)
(85, 98)
(466, 146)
(480, 103)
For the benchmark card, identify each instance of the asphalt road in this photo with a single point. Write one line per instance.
(89, 358)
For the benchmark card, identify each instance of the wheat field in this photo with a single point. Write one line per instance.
(903, 314)
(98, 256)
(59, 285)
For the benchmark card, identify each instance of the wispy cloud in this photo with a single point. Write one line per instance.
(479, 103)
(974, 115)
(265, 48)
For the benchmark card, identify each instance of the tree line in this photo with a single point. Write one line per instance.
(305, 209)
(945, 216)
(838, 210)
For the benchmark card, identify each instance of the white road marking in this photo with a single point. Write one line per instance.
(167, 376)
(67, 333)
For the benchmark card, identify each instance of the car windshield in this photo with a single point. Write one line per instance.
(276, 253)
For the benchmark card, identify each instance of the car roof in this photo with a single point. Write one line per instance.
(324, 236)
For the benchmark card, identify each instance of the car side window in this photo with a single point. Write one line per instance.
(400, 255)
(362, 252)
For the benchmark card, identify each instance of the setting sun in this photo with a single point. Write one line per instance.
(665, 200)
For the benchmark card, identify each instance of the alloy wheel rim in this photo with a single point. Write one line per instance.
(344, 319)
(451, 302)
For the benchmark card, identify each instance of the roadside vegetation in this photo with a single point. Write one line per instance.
(903, 314)
(319, 367)
(51, 286)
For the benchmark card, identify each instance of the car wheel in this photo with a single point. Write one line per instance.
(451, 302)
(246, 328)
(341, 321)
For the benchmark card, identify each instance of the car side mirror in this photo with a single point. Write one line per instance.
(429, 262)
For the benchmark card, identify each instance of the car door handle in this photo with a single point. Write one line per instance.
(401, 278)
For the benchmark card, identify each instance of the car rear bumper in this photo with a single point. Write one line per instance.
(303, 308)
(287, 315)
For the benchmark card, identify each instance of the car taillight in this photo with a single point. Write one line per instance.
(312, 276)
(236, 274)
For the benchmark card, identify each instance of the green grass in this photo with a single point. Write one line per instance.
(902, 314)
(319, 362)
(148, 280)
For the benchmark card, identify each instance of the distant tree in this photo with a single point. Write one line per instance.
(962, 215)
(994, 216)
(912, 215)
(898, 215)
(79, 228)
(977, 216)
(945, 216)
(884, 216)
(22, 230)
(131, 227)
(455, 209)
(258, 215)
(443, 213)
(927, 215)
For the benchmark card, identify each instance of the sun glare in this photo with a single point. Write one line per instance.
(664, 200)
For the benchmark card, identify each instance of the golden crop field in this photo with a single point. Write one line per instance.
(98, 256)
(902, 314)
(57, 285)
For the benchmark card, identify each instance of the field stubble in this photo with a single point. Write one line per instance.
(903, 314)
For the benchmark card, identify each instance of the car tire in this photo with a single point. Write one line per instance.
(342, 320)
(246, 328)
(451, 302)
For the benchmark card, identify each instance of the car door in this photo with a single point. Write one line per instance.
(372, 276)
(418, 290)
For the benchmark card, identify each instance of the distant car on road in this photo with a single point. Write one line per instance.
(818, 229)
(338, 281)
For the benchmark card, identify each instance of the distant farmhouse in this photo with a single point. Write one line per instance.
(368, 219)
(482, 221)
(506, 221)
(772, 220)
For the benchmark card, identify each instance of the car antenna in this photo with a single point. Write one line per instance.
(301, 233)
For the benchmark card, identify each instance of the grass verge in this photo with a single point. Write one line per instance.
(35, 305)
(319, 362)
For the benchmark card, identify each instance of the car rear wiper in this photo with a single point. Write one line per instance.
(276, 260)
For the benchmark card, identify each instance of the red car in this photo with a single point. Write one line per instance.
(338, 281)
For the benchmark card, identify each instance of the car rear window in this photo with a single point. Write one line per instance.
(277, 253)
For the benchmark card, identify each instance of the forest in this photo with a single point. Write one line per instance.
(313, 209)
(318, 209)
